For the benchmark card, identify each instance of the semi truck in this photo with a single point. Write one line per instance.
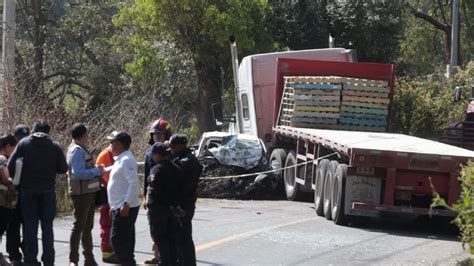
(363, 173)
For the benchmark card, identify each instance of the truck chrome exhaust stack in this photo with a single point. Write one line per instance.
(235, 67)
(332, 41)
(235, 60)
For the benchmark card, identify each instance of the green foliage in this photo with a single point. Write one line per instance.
(198, 30)
(464, 206)
(424, 48)
(192, 133)
(373, 28)
(424, 106)
(80, 52)
(64, 51)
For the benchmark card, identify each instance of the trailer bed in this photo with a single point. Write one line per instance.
(347, 141)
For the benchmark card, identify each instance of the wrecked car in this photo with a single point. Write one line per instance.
(224, 155)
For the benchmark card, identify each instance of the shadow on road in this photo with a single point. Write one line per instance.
(420, 227)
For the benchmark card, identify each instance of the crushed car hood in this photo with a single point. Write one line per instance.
(239, 150)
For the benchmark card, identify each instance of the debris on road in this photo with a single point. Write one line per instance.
(263, 186)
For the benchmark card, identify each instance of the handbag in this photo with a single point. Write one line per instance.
(8, 198)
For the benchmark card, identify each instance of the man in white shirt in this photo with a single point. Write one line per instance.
(123, 194)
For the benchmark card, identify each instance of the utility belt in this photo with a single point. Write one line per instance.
(8, 198)
(81, 187)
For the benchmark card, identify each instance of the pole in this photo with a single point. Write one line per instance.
(235, 69)
(454, 35)
(8, 65)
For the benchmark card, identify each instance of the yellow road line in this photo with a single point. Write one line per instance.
(247, 234)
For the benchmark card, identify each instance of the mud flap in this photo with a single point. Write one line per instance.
(364, 190)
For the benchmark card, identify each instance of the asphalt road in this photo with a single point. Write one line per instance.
(289, 233)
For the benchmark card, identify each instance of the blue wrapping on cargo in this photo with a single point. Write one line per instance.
(314, 120)
(317, 86)
(363, 116)
(358, 121)
(316, 103)
(362, 110)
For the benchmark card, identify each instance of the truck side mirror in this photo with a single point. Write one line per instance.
(457, 94)
(217, 115)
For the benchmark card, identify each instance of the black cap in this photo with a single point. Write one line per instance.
(178, 139)
(160, 148)
(20, 131)
(121, 137)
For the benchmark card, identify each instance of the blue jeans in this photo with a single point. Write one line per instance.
(38, 206)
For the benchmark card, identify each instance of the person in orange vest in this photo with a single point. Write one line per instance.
(106, 158)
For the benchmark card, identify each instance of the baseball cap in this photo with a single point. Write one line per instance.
(112, 135)
(160, 148)
(121, 137)
(21, 131)
(178, 139)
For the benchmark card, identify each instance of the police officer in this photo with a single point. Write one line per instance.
(160, 131)
(190, 171)
(162, 200)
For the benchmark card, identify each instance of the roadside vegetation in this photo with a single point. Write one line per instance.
(464, 207)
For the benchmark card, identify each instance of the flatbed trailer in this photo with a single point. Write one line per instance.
(376, 172)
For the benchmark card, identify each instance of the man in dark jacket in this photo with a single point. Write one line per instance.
(42, 160)
(190, 171)
(160, 131)
(162, 198)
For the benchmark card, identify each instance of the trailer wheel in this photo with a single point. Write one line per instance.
(278, 159)
(338, 215)
(319, 186)
(292, 188)
(327, 194)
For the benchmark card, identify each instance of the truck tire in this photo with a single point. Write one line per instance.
(337, 213)
(292, 189)
(278, 156)
(327, 194)
(319, 186)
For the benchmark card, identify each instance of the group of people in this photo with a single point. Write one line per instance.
(110, 182)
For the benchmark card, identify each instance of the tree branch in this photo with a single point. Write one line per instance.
(443, 15)
(80, 84)
(60, 73)
(25, 14)
(88, 52)
(444, 27)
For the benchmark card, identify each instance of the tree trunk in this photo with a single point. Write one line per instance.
(208, 93)
(38, 46)
(447, 46)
